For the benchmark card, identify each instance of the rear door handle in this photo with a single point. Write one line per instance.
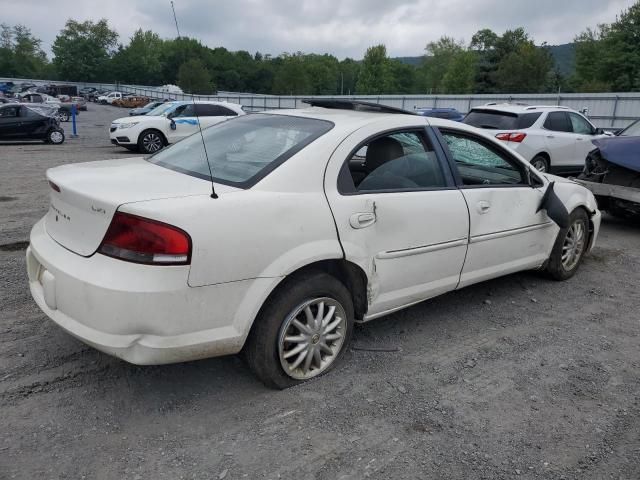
(483, 207)
(362, 220)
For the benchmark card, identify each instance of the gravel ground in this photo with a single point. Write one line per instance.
(520, 377)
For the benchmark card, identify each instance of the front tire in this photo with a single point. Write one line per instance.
(570, 247)
(150, 141)
(302, 331)
(55, 137)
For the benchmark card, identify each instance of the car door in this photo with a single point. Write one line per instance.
(560, 140)
(10, 122)
(507, 232)
(210, 114)
(398, 215)
(184, 124)
(584, 132)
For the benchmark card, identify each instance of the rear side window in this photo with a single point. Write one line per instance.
(243, 150)
(209, 110)
(526, 120)
(558, 122)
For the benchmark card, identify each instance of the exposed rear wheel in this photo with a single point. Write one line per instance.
(540, 163)
(570, 247)
(302, 332)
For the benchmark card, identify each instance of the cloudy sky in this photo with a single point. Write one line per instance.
(341, 27)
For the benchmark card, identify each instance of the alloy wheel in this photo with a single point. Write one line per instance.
(56, 137)
(540, 165)
(151, 142)
(574, 245)
(311, 338)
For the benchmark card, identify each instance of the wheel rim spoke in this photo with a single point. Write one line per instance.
(312, 337)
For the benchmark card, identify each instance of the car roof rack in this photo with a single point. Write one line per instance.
(518, 104)
(356, 105)
(533, 107)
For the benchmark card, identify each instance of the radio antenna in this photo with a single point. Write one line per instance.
(195, 111)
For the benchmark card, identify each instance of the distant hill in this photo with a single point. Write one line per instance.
(564, 56)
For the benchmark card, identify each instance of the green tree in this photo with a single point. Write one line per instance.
(83, 49)
(21, 54)
(140, 61)
(291, 77)
(193, 77)
(461, 73)
(349, 70)
(375, 75)
(525, 70)
(438, 59)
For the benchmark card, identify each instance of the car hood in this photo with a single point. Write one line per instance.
(622, 151)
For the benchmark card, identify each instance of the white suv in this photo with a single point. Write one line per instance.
(168, 123)
(554, 139)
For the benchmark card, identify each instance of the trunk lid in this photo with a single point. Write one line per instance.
(90, 193)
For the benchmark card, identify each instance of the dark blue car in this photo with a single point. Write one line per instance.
(446, 113)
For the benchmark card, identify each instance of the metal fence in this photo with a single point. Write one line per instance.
(604, 109)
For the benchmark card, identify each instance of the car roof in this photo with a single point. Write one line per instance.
(519, 107)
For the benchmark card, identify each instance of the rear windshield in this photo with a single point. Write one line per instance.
(243, 150)
(495, 120)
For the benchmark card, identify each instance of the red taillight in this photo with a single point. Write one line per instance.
(512, 137)
(140, 240)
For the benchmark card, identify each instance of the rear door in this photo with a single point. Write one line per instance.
(10, 122)
(507, 232)
(560, 140)
(398, 214)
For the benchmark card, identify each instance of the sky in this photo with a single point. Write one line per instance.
(344, 28)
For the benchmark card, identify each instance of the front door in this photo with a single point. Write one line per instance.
(507, 232)
(10, 123)
(399, 216)
(185, 122)
(584, 133)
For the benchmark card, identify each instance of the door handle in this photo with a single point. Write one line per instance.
(580, 139)
(362, 220)
(551, 136)
(483, 207)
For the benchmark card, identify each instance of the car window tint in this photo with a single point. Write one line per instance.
(210, 110)
(492, 119)
(397, 161)
(558, 122)
(243, 150)
(526, 120)
(580, 125)
(9, 112)
(187, 110)
(481, 164)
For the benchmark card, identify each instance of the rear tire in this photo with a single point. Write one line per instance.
(570, 247)
(301, 332)
(150, 141)
(540, 163)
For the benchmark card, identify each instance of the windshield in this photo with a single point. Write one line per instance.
(152, 105)
(242, 150)
(496, 120)
(632, 130)
(162, 109)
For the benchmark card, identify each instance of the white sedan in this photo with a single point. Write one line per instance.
(289, 227)
(169, 123)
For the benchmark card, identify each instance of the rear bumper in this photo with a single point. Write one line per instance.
(144, 315)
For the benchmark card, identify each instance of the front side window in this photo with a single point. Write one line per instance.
(9, 112)
(580, 125)
(187, 110)
(398, 161)
(243, 150)
(558, 122)
(479, 163)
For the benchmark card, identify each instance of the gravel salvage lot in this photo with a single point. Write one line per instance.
(520, 377)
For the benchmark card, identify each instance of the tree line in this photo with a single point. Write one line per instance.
(606, 59)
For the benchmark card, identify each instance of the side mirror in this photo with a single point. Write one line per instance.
(172, 125)
(599, 131)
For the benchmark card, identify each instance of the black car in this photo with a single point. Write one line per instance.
(30, 122)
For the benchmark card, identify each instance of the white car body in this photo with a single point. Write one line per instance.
(408, 246)
(564, 149)
(110, 97)
(171, 126)
(33, 97)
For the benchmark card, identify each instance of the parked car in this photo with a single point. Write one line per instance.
(64, 111)
(109, 98)
(168, 123)
(86, 91)
(7, 88)
(131, 101)
(446, 113)
(81, 103)
(612, 173)
(281, 236)
(93, 97)
(146, 109)
(30, 122)
(554, 139)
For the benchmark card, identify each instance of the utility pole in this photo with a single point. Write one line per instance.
(175, 19)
